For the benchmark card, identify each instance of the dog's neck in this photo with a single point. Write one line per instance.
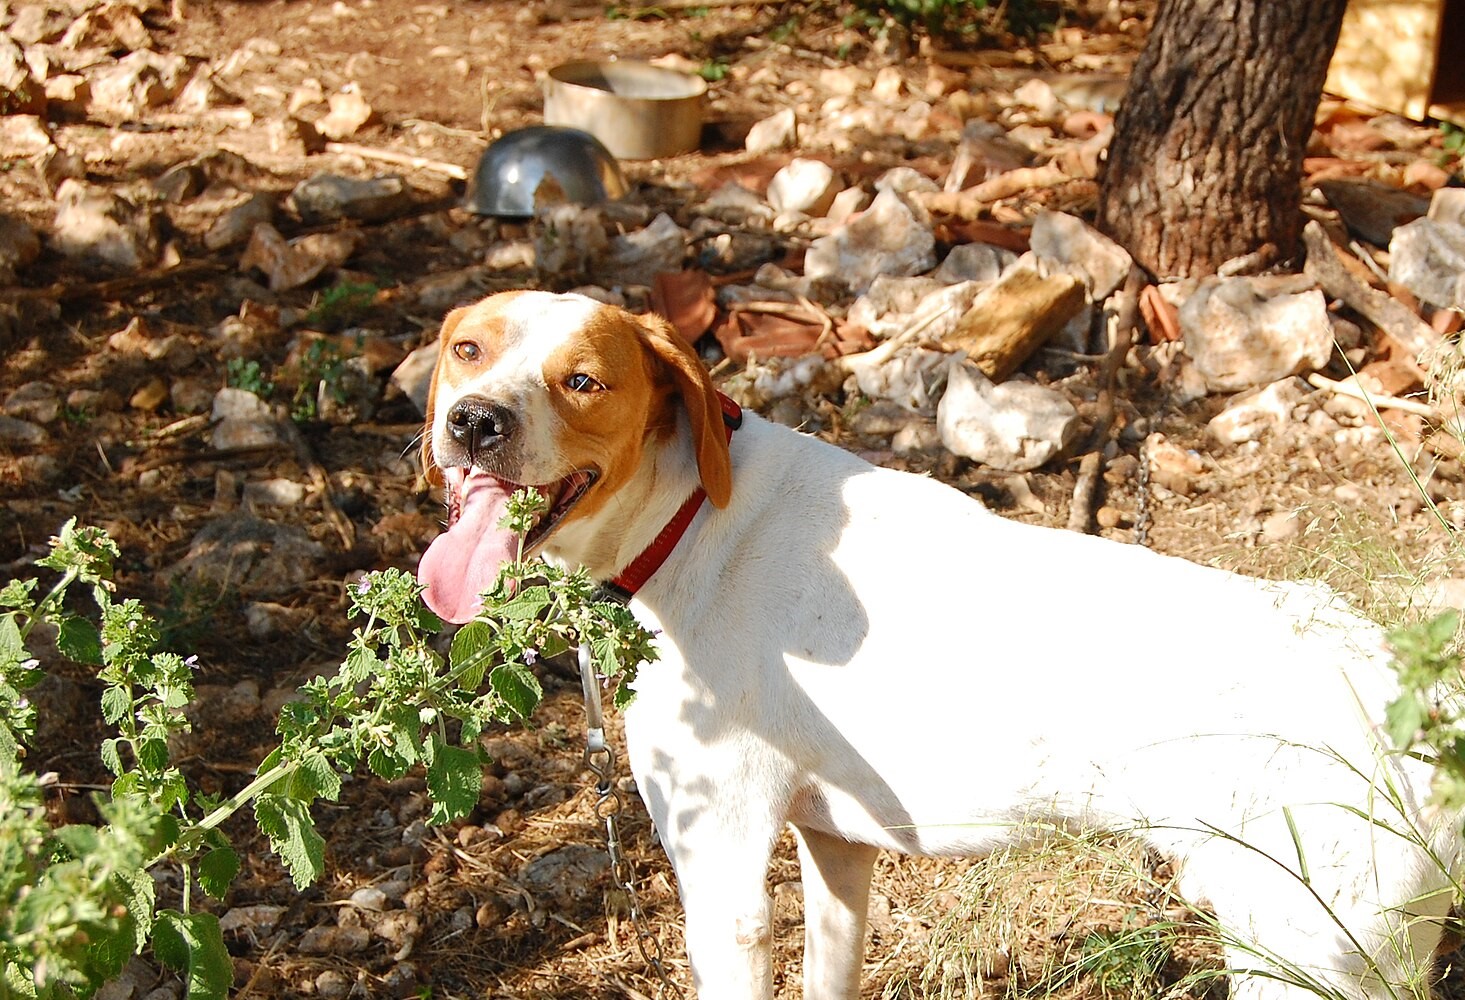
(606, 542)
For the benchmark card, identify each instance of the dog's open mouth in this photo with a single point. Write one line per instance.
(464, 560)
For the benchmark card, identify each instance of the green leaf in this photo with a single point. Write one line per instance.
(524, 605)
(471, 652)
(517, 686)
(387, 765)
(111, 757)
(79, 640)
(193, 944)
(1404, 717)
(286, 821)
(316, 778)
(116, 705)
(216, 870)
(454, 779)
(152, 754)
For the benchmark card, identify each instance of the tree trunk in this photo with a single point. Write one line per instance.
(1206, 162)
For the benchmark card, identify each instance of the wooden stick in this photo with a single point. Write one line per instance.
(1379, 400)
(400, 159)
(1086, 489)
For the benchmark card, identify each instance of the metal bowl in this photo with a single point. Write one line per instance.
(514, 166)
(640, 111)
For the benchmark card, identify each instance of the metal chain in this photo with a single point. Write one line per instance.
(1142, 503)
(600, 760)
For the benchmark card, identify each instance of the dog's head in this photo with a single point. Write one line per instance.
(561, 393)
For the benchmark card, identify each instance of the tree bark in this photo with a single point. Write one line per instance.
(1206, 162)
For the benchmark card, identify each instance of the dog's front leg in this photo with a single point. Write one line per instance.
(836, 878)
(722, 874)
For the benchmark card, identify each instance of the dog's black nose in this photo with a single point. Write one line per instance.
(478, 425)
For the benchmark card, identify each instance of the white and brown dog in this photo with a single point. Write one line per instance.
(875, 659)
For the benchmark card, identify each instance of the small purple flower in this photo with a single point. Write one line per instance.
(530, 657)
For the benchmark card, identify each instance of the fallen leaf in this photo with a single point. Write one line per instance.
(687, 299)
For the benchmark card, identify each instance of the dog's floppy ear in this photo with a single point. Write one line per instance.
(430, 471)
(694, 385)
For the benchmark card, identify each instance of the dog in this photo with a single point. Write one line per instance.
(878, 661)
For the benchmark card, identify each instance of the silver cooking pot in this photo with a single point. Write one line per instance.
(514, 165)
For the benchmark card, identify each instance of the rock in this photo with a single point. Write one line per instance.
(202, 93)
(636, 258)
(806, 186)
(778, 131)
(904, 181)
(258, 559)
(328, 197)
(180, 183)
(1016, 426)
(1427, 257)
(135, 84)
(238, 223)
(192, 395)
(21, 433)
(19, 247)
(912, 378)
(1252, 414)
(1448, 205)
(736, 205)
(332, 984)
(67, 95)
(983, 152)
(887, 239)
(847, 204)
(292, 264)
(20, 92)
(295, 137)
(1071, 244)
(974, 262)
(888, 303)
(1173, 467)
(567, 876)
(1373, 210)
(349, 113)
(1015, 316)
(274, 493)
(150, 395)
(38, 402)
(243, 420)
(369, 897)
(414, 375)
(1281, 526)
(93, 223)
(1248, 331)
(23, 135)
(334, 940)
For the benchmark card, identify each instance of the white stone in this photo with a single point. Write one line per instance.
(414, 375)
(885, 239)
(888, 303)
(1015, 426)
(636, 258)
(1244, 332)
(974, 262)
(23, 135)
(93, 222)
(1427, 257)
(1249, 416)
(1448, 205)
(847, 204)
(807, 186)
(243, 420)
(1070, 244)
(778, 131)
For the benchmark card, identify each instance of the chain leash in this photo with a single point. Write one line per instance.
(1142, 502)
(600, 761)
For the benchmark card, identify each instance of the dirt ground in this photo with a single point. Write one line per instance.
(510, 903)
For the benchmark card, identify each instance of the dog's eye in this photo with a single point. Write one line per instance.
(466, 350)
(580, 382)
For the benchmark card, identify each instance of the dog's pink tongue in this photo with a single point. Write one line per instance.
(463, 561)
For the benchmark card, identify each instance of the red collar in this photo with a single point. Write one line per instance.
(634, 576)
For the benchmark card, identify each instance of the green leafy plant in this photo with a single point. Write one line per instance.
(714, 70)
(1427, 711)
(77, 901)
(321, 369)
(342, 303)
(247, 374)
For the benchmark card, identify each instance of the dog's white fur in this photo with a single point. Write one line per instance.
(875, 659)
